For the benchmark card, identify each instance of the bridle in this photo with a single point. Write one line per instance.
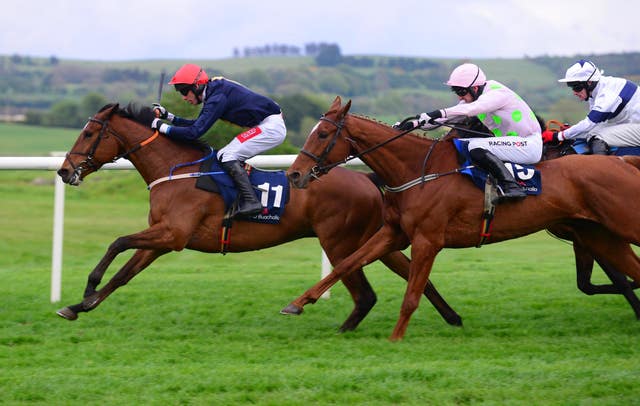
(90, 162)
(320, 169)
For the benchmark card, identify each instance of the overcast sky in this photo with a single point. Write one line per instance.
(210, 29)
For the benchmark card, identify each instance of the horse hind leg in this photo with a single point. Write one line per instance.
(363, 296)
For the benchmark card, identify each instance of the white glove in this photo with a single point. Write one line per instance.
(159, 126)
(162, 112)
(427, 122)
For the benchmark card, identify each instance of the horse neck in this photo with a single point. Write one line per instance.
(402, 159)
(156, 158)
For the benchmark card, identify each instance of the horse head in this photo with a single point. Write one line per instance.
(100, 143)
(325, 147)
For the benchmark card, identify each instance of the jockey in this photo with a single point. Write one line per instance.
(227, 100)
(614, 109)
(514, 125)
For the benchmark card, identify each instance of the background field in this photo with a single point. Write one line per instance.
(204, 329)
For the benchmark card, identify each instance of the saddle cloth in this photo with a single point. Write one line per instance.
(582, 147)
(271, 188)
(526, 175)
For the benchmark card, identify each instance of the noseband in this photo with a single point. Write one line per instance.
(319, 169)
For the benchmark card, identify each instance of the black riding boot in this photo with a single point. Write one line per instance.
(598, 146)
(490, 163)
(248, 204)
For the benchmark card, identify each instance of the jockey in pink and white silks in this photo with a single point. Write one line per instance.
(514, 125)
(614, 109)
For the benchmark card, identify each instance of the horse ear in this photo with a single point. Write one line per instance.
(336, 103)
(345, 109)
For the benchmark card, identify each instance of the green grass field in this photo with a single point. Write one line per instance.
(204, 329)
(28, 140)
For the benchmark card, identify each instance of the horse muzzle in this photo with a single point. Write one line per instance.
(298, 180)
(73, 178)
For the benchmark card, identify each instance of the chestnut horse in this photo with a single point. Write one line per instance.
(343, 211)
(593, 195)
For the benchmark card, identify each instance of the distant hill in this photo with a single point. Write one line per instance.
(384, 87)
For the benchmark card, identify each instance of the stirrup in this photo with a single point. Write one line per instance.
(247, 210)
(509, 195)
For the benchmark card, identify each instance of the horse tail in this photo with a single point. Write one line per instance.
(633, 160)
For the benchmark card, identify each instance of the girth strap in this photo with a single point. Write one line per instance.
(490, 194)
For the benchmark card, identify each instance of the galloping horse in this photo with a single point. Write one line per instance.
(584, 258)
(595, 196)
(343, 211)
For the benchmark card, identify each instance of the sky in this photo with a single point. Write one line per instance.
(117, 30)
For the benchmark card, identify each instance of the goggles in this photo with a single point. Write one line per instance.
(460, 91)
(577, 86)
(183, 88)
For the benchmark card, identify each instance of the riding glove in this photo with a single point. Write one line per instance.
(552, 136)
(159, 126)
(162, 112)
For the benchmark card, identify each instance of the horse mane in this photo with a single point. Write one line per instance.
(145, 115)
(383, 124)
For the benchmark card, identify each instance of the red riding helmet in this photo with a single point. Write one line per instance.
(190, 74)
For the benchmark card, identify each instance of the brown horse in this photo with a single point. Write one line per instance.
(343, 211)
(585, 259)
(594, 195)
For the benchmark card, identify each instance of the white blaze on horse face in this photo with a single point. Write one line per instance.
(315, 128)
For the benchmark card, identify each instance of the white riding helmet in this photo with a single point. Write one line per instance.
(467, 75)
(582, 71)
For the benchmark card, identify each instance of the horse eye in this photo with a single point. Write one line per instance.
(87, 134)
(322, 134)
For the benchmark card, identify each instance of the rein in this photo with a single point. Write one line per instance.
(319, 169)
(90, 162)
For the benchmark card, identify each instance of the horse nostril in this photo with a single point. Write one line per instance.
(62, 173)
(293, 176)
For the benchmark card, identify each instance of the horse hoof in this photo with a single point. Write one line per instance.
(67, 313)
(292, 309)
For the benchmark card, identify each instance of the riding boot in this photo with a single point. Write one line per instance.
(511, 190)
(248, 204)
(598, 146)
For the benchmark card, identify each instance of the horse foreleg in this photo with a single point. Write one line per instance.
(139, 261)
(613, 254)
(584, 270)
(422, 256)
(399, 263)
(381, 243)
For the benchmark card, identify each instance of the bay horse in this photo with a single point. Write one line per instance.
(585, 259)
(343, 211)
(594, 195)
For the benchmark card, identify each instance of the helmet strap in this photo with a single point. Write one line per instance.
(476, 94)
(590, 87)
(198, 90)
